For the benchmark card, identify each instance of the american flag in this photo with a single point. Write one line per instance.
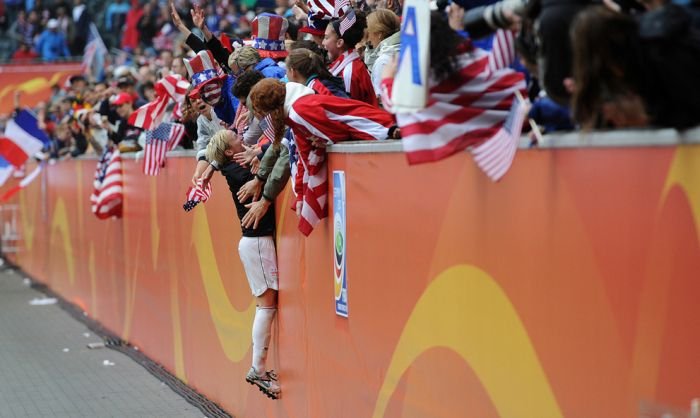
(106, 198)
(502, 53)
(267, 127)
(463, 111)
(158, 142)
(340, 8)
(348, 20)
(151, 114)
(197, 194)
(495, 156)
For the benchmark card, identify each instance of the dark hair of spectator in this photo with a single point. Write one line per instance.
(311, 46)
(241, 88)
(145, 86)
(293, 28)
(356, 32)
(308, 63)
(444, 43)
(607, 62)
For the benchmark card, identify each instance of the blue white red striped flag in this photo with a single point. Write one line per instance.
(22, 138)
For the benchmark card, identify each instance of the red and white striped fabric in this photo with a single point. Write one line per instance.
(356, 78)
(196, 195)
(317, 121)
(341, 7)
(462, 111)
(495, 156)
(158, 141)
(172, 87)
(326, 7)
(107, 195)
(502, 53)
(267, 127)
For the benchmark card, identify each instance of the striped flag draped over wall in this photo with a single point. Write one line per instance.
(107, 195)
(151, 114)
(197, 194)
(158, 141)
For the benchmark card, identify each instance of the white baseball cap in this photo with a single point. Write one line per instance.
(52, 24)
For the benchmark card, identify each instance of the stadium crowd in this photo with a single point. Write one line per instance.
(262, 88)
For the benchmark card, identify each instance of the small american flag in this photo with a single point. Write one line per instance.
(340, 8)
(151, 114)
(495, 156)
(106, 197)
(197, 194)
(267, 127)
(348, 20)
(158, 142)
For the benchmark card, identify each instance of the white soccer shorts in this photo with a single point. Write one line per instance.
(259, 259)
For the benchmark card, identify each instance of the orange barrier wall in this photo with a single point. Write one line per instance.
(570, 289)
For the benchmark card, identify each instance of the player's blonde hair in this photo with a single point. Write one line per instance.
(218, 144)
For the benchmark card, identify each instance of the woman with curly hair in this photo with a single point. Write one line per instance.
(317, 121)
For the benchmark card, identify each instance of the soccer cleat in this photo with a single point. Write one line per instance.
(266, 383)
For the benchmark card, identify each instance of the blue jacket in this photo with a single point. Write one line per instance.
(52, 45)
(269, 68)
(226, 109)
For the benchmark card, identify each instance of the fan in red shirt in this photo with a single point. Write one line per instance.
(346, 62)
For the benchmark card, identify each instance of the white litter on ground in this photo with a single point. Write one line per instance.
(27, 282)
(107, 363)
(43, 301)
(86, 334)
(65, 350)
(96, 345)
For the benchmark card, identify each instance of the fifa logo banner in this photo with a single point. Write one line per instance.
(410, 90)
(339, 245)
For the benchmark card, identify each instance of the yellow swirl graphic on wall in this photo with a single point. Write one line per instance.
(465, 310)
(59, 224)
(232, 326)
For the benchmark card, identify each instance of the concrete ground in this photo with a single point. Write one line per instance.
(46, 369)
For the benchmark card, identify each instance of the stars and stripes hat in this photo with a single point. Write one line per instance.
(267, 31)
(203, 69)
(320, 13)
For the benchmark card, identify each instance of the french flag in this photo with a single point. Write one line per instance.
(22, 138)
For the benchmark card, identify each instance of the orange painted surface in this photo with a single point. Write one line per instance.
(569, 289)
(34, 80)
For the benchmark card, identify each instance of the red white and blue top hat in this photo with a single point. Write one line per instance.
(267, 31)
(203, 69)
(320, 14)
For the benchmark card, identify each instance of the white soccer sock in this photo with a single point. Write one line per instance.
(262, 325)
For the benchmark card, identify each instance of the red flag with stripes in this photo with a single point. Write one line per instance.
(172, 87)
(107, 197)
(158, 142)
(463, 111)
